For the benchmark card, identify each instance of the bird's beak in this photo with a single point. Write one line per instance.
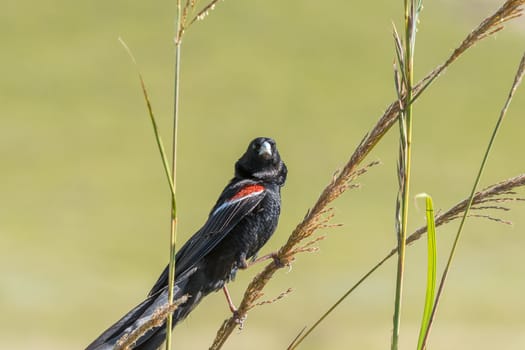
(266, 150)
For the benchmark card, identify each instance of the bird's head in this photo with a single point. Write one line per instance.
(262, 161)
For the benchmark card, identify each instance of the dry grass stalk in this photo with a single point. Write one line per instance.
(205, 11)
(271, 301)
(320, 213)
(488, 195)
(316, 218)
(502, 192)
(188, 17)
(127, 341)
(509, 10)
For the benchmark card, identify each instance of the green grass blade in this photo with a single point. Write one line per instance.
(158, 139)
(517, 81)
(431, 269)
(171, 181)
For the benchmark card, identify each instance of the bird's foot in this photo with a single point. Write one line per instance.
(243, 263)
(274, 256)
(239, 320)
(277, 260)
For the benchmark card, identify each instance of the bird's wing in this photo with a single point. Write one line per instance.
(224, 217)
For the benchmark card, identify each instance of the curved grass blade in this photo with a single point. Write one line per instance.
(158, 139)
(431, 269)
(517, 80)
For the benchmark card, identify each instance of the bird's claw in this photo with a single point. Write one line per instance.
(277, 261)
(238, 319)
(243, 263)
(274, 256)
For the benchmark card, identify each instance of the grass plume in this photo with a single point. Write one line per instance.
(502, 192)
(317, 217)
(509, 10)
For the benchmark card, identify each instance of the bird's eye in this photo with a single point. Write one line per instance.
(255, 146)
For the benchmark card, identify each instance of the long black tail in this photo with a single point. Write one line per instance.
(153, 338)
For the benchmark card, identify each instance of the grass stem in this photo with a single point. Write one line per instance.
(411, 15)
(173, 231)
(303, 334)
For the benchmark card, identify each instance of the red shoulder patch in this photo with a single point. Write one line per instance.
(245, 191)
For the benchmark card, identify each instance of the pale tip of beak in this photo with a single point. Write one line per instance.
(266, 149)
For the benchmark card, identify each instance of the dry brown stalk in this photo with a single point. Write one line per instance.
(318, 216)
(509, 10)
(127, 341)
(491, 194)
(190, 6)
(271, 301)
(487, 195)
(205, 11)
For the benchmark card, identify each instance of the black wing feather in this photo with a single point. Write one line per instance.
(220, 222)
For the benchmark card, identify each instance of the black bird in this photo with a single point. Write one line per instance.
(240, 223)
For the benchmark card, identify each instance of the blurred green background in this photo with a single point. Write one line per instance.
(84, 218)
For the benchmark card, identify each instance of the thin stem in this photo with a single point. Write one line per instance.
(173, 231)
(517, 80)
(302, 336)
(406, 154)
